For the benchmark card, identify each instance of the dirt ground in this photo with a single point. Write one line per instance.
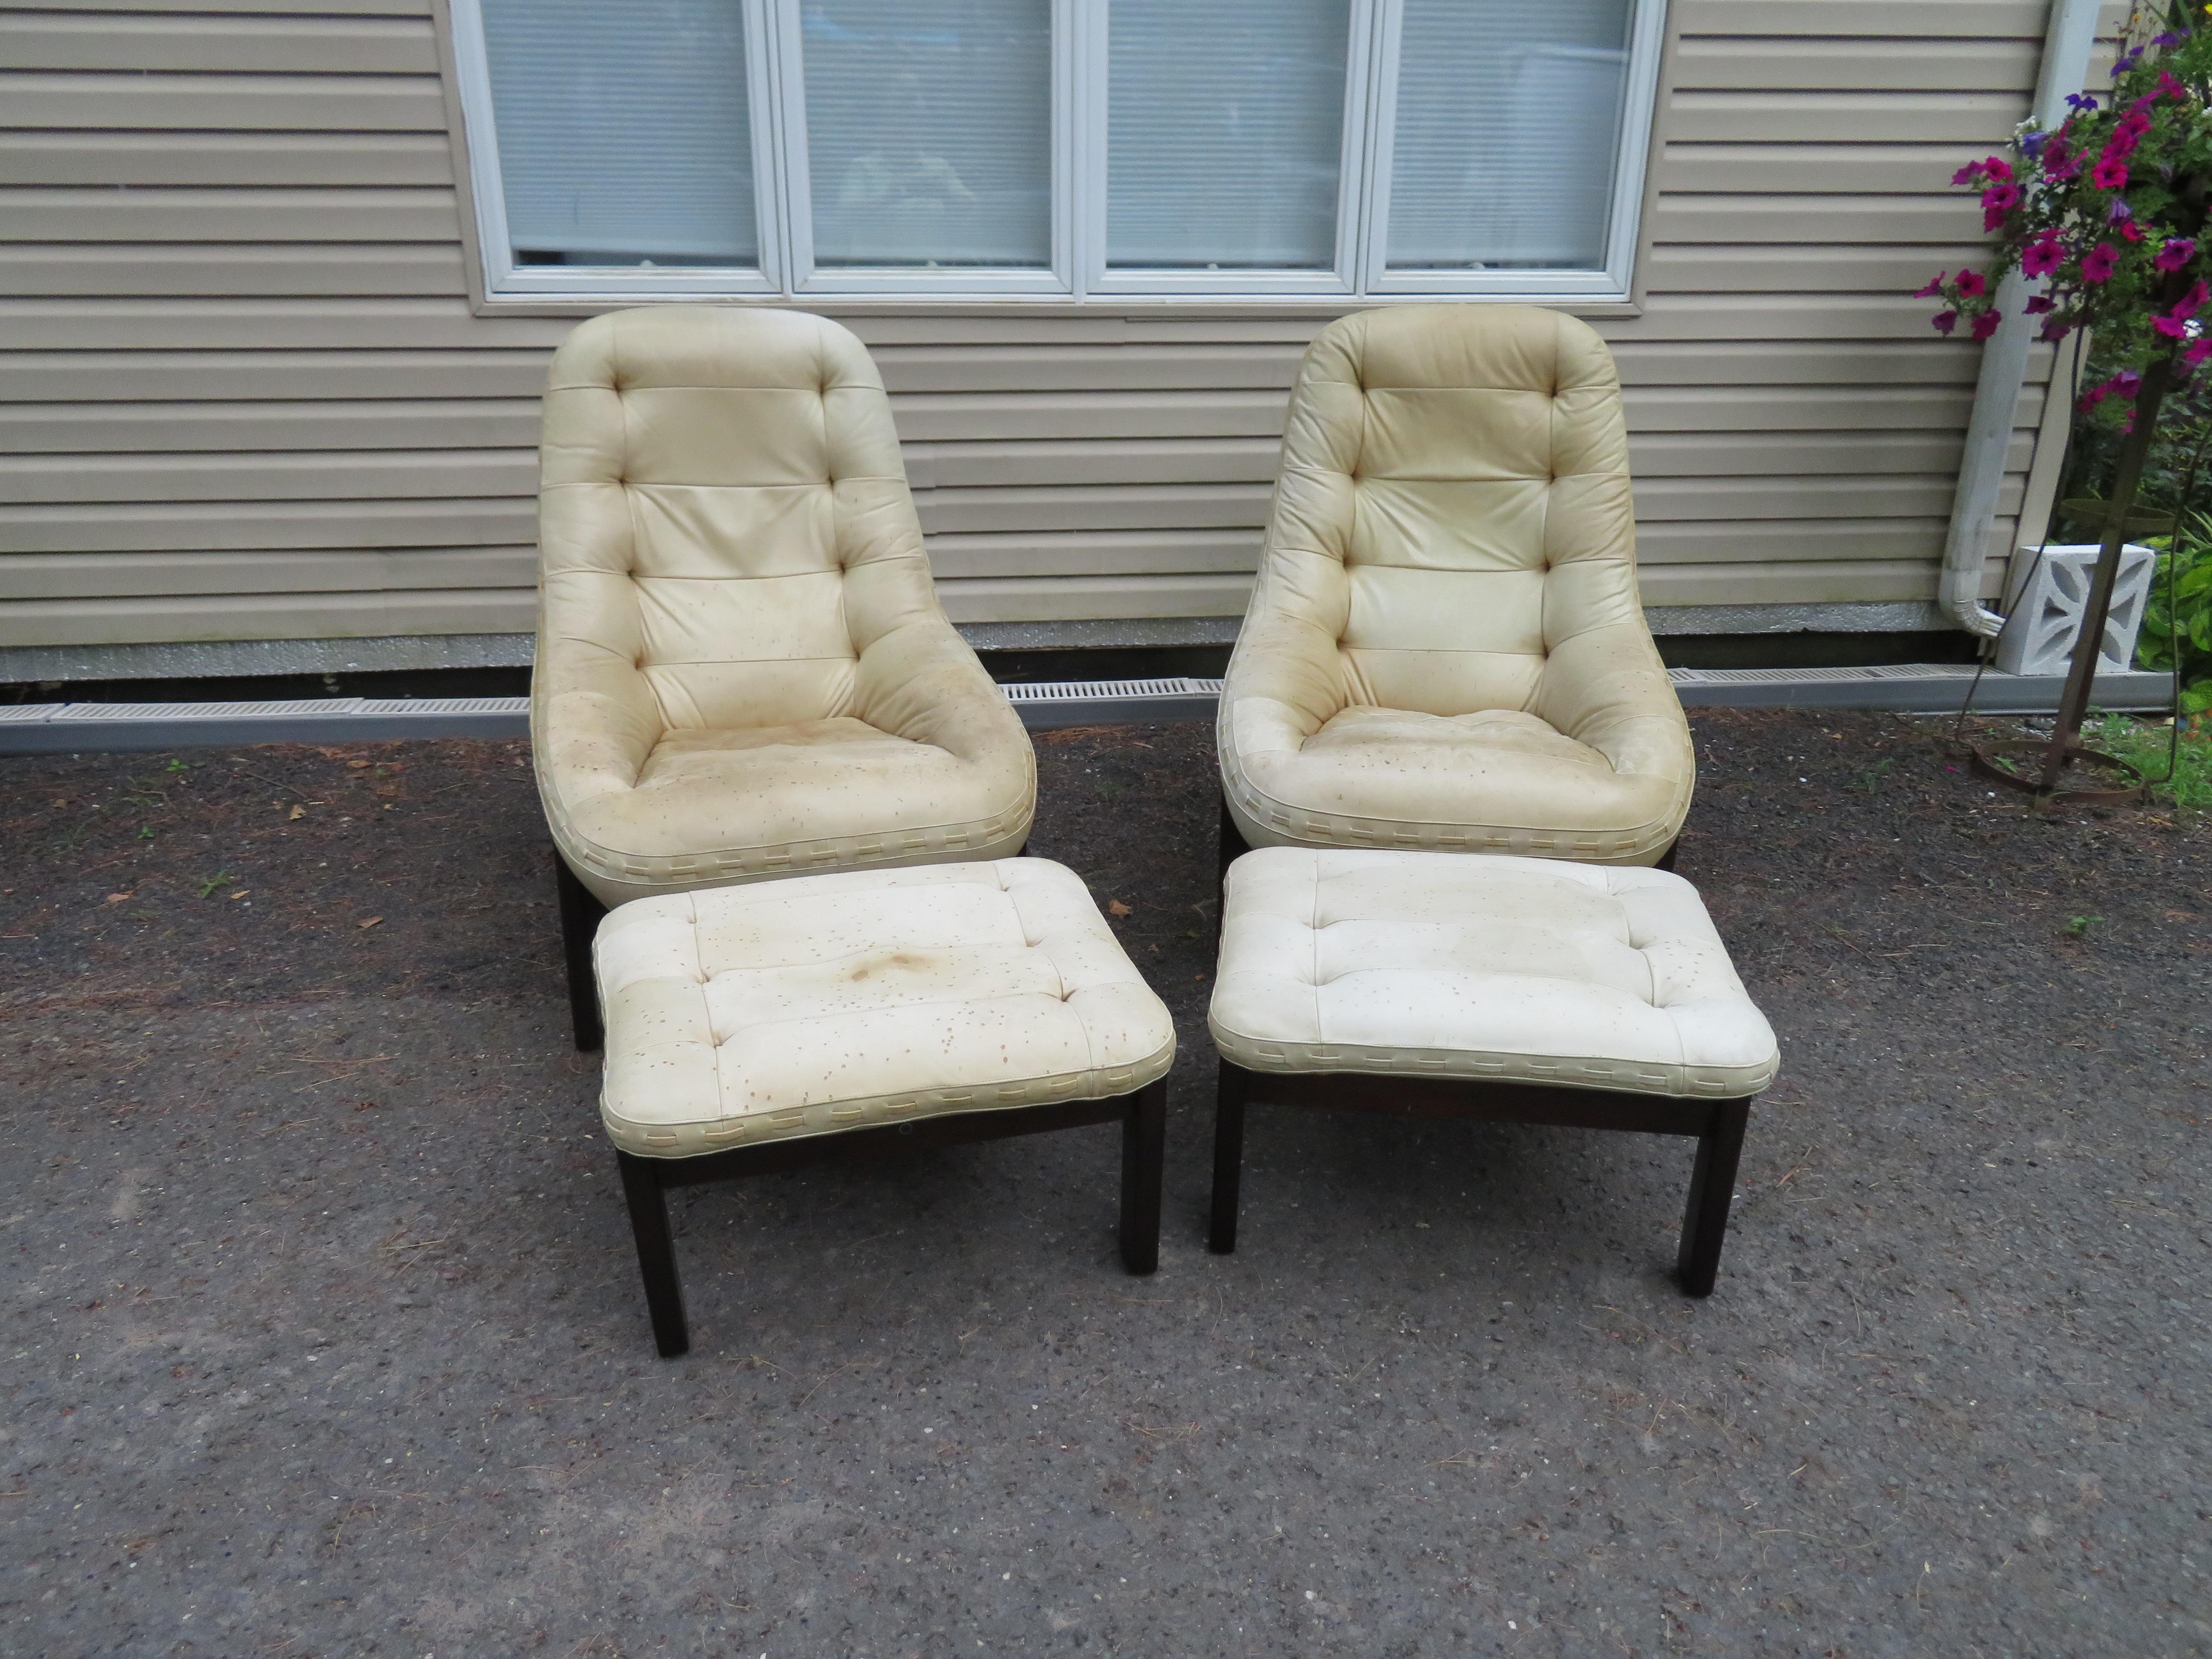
(324, 1333)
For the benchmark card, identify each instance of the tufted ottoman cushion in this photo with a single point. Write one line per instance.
(738, 1015)
(1521, 990)
(758, 1029)
(1458, 965)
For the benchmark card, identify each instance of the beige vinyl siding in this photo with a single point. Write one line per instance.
(243, 394)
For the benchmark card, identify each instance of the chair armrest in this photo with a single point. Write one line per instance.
(1607, 688)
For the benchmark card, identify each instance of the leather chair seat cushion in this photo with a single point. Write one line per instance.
(1496, 780)
(744, 803)
(739, 1015)
(1528, 970)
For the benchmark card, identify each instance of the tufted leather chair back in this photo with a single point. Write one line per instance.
(1454, 502)
(725, 526)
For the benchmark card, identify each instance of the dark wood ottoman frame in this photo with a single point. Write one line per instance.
(1717, 1124)
(646, 1180)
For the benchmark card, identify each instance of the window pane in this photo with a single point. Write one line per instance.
(929, 131)
(1508, 127)
(622, 133)
(1224, 133)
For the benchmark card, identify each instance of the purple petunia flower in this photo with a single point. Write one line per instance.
(2052, 330)
(2032, 143)
(1985, 325)
(2119, 211)
(2081, 103)
(1934, 286)
(2037, 304)
(2178, 251)
(1944, 321)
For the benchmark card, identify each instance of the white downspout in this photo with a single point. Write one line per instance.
(2067, 41)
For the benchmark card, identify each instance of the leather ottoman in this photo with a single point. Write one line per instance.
(771, 1025)
(1527, 990)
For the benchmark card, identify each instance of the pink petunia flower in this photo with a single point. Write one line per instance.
(2131, 230)
(2175, 323)
(1934, 286)
(2042, 255)
(2178, 251)
(2197, 351)
(2097, 264)
(1985, 325)
(1944, 321)
(2109, 174)
(2052, 330)
(2060, 165)
(2038, 304)
(1973, 283)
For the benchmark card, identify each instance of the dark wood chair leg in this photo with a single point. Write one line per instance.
(656, 1253)
(1232, 845)
(1667, 858)
(580, 911)
(1704, 1224)
(1144, 1143)
(1228, 1157)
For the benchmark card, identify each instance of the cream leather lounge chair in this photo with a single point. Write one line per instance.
(743, 671)
(1445, 649)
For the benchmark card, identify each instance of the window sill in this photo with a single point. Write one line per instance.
(1104, 308)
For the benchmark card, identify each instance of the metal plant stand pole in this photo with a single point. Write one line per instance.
(2089, 645)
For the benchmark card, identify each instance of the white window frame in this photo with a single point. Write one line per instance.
(1647, 28)
(1078, 272)
(503, 277)
(900, 281)
(1341, 280)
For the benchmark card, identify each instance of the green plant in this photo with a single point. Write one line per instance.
(1869, 781)
(2145, 745)
(2177, 626)
(2081, 925)
(215, 881)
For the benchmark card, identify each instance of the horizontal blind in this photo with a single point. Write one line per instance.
(929, 131)
(623, 133)
(1224, 133)
(1507, 130)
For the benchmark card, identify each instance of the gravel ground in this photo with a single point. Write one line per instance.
(324, 1334)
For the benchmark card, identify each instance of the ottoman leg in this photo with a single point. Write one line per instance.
(656, 1253)
(1706, 1223)
(1228, 1157)
(580, 911)
(1144, 1139)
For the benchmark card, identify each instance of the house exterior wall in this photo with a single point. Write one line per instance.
(245, 393)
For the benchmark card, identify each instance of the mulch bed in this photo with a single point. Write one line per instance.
(326, 1337)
